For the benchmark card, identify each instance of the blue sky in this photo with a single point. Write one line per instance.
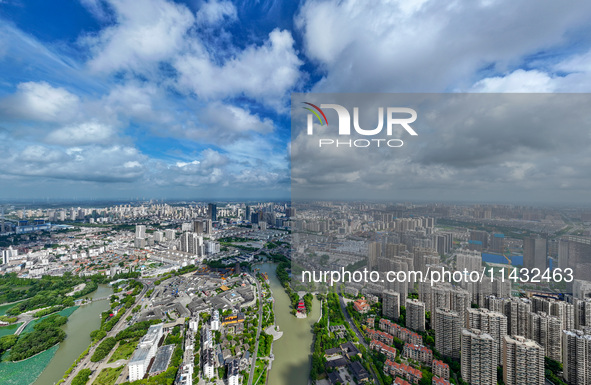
(190, 99)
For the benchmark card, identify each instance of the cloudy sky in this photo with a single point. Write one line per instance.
(191, 99)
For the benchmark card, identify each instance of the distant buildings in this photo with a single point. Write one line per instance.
(535, 253)
(573, 252)
(212, 210)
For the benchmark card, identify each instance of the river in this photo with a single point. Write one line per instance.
(293, 350)
(84, 320)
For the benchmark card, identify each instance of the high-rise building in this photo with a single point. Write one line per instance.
(425, 256)
(212, 211)
(191, 243)
(523, 361)
(140, 231)
(468, 260)
(440, 298)
(491, 322)
(170, 234)
(460, 302)
(576, 357)
(479, 362)
(391, 304)
(582, 309)
(517, 311)
(198, 227)
(535, 253)
(448, 329)
(546, 330)
(478, 240)
(374, 251)
(247, 213)
(145, 351)
(415, 315)
(497, 243)
(573, 252)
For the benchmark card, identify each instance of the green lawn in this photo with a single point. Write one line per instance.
(260, 372)
(108, 376)
(124, 350)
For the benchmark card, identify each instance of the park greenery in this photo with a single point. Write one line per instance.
(82, 377)
(103, 349)
(45, 334)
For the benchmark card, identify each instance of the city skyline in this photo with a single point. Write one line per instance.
(190, 100)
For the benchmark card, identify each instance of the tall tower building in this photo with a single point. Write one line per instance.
(448, 329)
(374, 252)
(391, 304)
(212, 211)
(460, 302)
(582, 309)
(523, 361)
(479, 362)
(576, 357)
(517, 311)
(535, 253)
(415, 315)
(546, 330)
(198, 227)
(490, 322)
(191, 243)
(469, 260)
(140, 231)
(573, 252)
(440, 298)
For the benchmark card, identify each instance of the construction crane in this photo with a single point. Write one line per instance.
(505, 255)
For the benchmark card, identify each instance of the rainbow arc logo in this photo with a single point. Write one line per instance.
(316, 113)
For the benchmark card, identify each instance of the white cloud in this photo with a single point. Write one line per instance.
(265, 73)
(213, 12)
(145, 32)
(394, 46)
(89, 163)
(517, 81)
(40, 101)
(84, 133)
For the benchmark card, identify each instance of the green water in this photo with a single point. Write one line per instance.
(292, 351)
(80, 324)
(5, 307)
(10, 329)
(25, 372)
(66, 313)
(48, 367)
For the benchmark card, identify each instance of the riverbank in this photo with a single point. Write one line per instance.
(292, 353)
(49, 366)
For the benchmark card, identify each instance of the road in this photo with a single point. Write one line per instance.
(256, 346)
(357, 332)
(96, 367)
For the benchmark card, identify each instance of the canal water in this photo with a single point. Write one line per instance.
(84, 320)
(294, 349)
